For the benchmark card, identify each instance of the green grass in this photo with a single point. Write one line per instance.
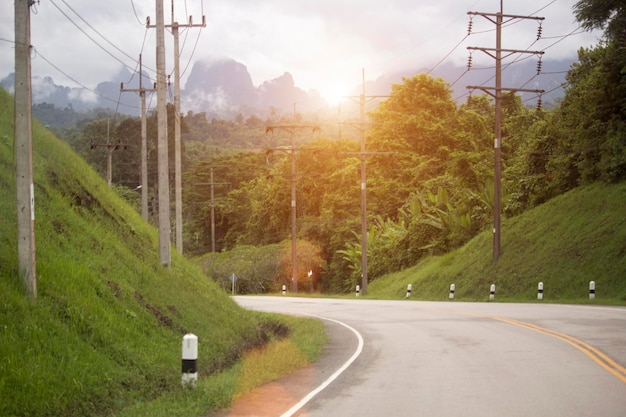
(565, 243)
(258, 366)
(104, 335)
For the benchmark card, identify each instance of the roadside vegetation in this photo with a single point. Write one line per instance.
(565, 243)
(430, 173)
(104, 335)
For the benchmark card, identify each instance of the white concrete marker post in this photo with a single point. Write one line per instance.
(409, 288)
(452, 288)
(284, 289)
(592, 290)
(492, 292)
(540, 291)
(190, 360)
(358, 290)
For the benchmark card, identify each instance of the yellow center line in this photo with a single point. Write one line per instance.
(591, 352)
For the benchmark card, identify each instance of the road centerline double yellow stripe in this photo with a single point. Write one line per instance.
(591, 352)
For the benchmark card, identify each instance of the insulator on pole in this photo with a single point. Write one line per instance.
(539, 66)
(469, 62)
(539, 103)
(539, 31)
(469, 26)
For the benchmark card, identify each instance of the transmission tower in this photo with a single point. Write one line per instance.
(497, 53)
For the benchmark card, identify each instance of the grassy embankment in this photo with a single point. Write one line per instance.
(103, 337)
(565, 243)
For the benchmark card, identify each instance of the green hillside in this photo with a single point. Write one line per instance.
(105, 331)
(572, 239)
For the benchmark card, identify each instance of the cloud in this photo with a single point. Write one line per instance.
(324, 43)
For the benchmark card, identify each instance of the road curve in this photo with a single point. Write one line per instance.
(462, 359)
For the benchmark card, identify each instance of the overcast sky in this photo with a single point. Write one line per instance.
(324, 44)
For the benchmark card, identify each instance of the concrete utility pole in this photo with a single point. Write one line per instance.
(110, 147)
(292, 152)
(24, 151)
(212, 184)
(165, 254)
(362, 100)
(496, 53)
(177, 141)
(144, 140)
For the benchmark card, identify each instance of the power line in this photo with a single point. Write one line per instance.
(132, 3)
(78, 82)
(560, 38)
(94, 29)
(90, 37)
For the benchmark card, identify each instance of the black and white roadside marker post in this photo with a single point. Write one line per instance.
(592, 290)
(358, 290)
(452, 288)
(284, 289)
(409, 288)
(540, 291)
(492, 292)
(190, 360)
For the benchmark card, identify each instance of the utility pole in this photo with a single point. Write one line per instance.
(24, 151)
(165, 254)
(110, 147)
(496, 92)
(212, 184)
(362, 99)
(292, 152)
(144, 140)
(177, 118)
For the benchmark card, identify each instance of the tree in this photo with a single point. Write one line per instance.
(608, 15)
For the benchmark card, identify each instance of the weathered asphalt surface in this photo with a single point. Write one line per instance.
(453, 359)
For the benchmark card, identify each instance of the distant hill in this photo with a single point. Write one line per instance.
(223, 89)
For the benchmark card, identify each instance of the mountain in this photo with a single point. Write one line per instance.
(105, 95)
(223, 89)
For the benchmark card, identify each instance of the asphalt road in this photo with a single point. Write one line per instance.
(408, 358)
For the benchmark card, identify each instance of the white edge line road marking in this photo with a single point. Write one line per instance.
(294, 409)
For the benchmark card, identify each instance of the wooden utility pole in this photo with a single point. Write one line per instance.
(178, 187)
(144, 139)
(292, 152)
(24, 151)
(496, 92)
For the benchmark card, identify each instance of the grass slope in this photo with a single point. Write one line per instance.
(106, 329)
(565, 243)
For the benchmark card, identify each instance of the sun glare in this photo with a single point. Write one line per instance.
(334, 93)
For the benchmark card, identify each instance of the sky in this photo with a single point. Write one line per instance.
(325, 44)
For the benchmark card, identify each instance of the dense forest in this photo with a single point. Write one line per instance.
(430, 168)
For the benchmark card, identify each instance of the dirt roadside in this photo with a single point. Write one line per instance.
(275, 398)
